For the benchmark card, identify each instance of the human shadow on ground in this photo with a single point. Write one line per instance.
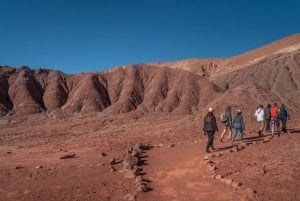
(294, 130)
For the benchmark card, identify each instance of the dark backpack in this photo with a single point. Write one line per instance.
(283, 113)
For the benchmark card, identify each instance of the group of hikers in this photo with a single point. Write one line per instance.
(268, 119)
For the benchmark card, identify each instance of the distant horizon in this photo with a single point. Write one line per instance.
(74, 36)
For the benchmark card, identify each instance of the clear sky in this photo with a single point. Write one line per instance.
(95, 35)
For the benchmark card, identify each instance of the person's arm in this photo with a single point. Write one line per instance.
(243, 124)
(215, 124)
(288, 114)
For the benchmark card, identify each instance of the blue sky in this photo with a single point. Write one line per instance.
(95, 35)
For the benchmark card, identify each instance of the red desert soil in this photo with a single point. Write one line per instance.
(173, 169)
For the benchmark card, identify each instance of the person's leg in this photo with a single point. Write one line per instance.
(261, 128)
(283, 121)
(234, 133)
(230, 132)
(268, 125)
(241, 135)
(223, 133)
(212, 142)
(209, 141)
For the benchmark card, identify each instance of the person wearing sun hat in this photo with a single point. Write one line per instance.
(210, 127)
(238, 125)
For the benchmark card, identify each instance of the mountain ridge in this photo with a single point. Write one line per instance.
(185, 86)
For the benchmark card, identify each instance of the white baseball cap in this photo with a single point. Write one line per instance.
(210, 109)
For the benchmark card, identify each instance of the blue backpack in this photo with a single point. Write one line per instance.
(283, 113)
(237, 123)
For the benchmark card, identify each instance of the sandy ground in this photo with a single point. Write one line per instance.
(173, 169)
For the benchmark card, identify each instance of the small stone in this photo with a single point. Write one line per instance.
(216, 154)
(161, 145)
(103, 154)
(142, 188)
(171, 145)
(129, 197)
(139, 179)
(67, 156)
(212, 167)
(227, 181)
(236, 184)
(112, 161)
(251, 193)
(112, 169)
(234, 149)
(219, 177)
(19, 167)
(38, 167)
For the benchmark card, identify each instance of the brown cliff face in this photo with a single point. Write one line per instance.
(124, 89)
(265, 75)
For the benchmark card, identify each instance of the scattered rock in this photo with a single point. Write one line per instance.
(38, 167)
(67, 156)
(263, 171)
(227, 181)
(240, 147)
(139, 179)
(234, 149)
(219, 177)
(217, 154)
(129, 197)
(251, 193)
(236, 184)
(9, 152)
(129, 161)
(103, 154)
(112, 161)
(112, 168)
(211, 167)
(19, 167)
(171, 145)
(142, 188)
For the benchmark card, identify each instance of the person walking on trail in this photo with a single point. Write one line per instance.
(275, 120)
(267, 112)
(238, 125)
(283, 116)
(226, 119)
(259, 113)
(209, 128)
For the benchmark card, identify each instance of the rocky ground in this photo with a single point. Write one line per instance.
(136, 157)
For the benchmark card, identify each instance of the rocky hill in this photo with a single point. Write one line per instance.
(265, 75)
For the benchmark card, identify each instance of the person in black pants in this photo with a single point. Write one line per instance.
(267, 113)
(210, 127)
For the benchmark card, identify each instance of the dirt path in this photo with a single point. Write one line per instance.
(179, 174)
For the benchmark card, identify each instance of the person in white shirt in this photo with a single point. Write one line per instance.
(259, 113)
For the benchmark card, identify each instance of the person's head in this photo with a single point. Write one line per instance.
(209, 115)
(269, 105)
(260, 106)
(275, 105)
(238, 111)
(282, 105)
(228, 109)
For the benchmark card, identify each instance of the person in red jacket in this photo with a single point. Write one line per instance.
(275, 119)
